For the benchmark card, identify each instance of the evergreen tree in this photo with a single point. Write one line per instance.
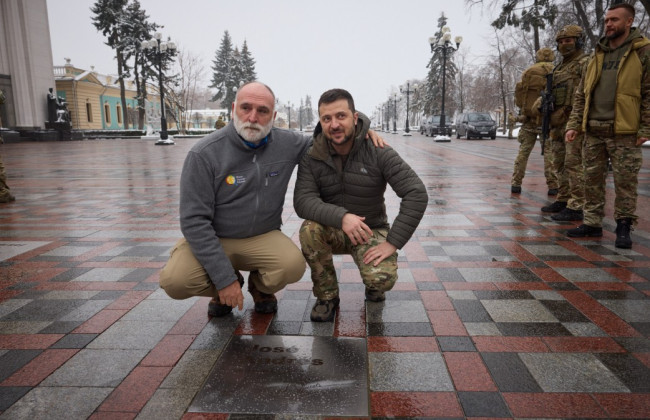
(248, 64)
(533, 16)
(308, 112)
(432, 96)
(222, 72)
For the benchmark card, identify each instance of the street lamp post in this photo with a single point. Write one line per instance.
(408, 91)
(443, 44)
(395, 114)
(159, 49)
(289, 109)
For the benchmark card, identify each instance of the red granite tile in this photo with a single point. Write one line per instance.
(40, 367)
(40, 250)
(644, 358)
(447, 323)
(60, 286)
(28, 341)
(606, 286)
(570, 264)
(402, 344)
(456, 285)
(414, 251)
(350, 324)
(415, 404)
(624, 274)
(194, 320)
(600, 315)
(533, 285)
(105, 247)
(548, 275)
(204, 416)
(436, 300)
(352, 301)
(110, 285)
(468, 372)
(350, 275)
(583, 345)
(168, 350)
(8, 294)
(405, 286)
(113, 415)
(625, 405)
(135, 390)
(129, 299)
(553, 405)
(301, 285)
(424, 274)
(123, 264)
(253, 323)
(581, 251)
(100, 321)
(516, 250)
(510, 344)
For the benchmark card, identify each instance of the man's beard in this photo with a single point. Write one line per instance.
(346, 139)
(252, 132)
(616, 34)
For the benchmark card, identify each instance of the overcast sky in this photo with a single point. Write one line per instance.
(301, 47)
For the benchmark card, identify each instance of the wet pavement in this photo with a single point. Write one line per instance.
(496, 313)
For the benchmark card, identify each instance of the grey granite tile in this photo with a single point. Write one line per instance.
(104, 274)
(518, 311)
(284, 328)
(396, 311)
(510, 374)
(482, 328)
(44, 310)
(586, 274)
(60, 327)
(483, 404)
(291, 310)
(12, 360)
(634, 374)
(86, 311)
(532, 329)
(400, 329)
(571, 372)
(74, 341)
(215, 334)
(167, 404)
(408, 372)
(191, 370)
(450, 343)
(563, 311)
(95, 368)
(65, 403)
(317, 329)
(159, 310)
(132, 335)
(629, 310)
(471, 311)
(487, 275)
(22, 327)
(11, 394)
(584, 329)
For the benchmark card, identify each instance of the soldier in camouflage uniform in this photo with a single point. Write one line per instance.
(567, 157)
(340, 194)
(530, 130)
(612, 110)
(512, 120)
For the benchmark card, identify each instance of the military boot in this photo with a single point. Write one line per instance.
(584, 231)
(265, 303)
(555, 207)
(623, 227)
(568, 215)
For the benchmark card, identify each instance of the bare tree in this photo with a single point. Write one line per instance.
(191, 75)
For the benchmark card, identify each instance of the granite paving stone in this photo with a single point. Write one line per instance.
(496, 312)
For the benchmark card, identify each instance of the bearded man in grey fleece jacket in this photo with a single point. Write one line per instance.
(233, 185)
(340, 192)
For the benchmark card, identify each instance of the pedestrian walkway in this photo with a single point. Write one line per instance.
(496, 313)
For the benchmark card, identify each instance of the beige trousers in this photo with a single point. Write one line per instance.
(278, 260)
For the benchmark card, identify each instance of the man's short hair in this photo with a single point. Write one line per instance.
(334, 95)
(626, 6)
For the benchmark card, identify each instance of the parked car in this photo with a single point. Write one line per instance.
(475, 124)
(431, 126)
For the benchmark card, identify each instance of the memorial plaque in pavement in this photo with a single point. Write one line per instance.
(288, 375)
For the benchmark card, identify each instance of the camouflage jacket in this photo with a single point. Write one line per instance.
(566, 78)
(632, 109)
(325, 195)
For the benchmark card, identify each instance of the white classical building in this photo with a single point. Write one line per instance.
(25, 63)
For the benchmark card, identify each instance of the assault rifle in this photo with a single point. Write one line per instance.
(547, 108)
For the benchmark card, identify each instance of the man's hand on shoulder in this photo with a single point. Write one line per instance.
(378, 253)
(376, 139)
(641, 140)
(232, 295)
(356, 229)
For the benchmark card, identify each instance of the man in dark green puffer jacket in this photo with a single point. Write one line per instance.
(340, 194)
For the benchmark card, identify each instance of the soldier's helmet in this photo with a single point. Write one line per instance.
(571, 31)
(545, 54)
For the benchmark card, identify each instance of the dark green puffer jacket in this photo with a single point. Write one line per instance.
(325, 196)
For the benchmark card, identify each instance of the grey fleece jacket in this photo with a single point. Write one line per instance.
(229, 190)
(324, 195)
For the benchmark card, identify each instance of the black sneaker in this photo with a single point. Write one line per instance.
(324, 310)
(515, 189)
(623, 227)
(375, 295)
(556, 207)
(552, 191)
(217, 309)
(568, 215)
(584, 231)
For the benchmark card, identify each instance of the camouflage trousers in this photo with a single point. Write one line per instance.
(527, 138)
(319, 243)
(568, 165)
(626, 159)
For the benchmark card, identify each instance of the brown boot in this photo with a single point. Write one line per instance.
(264, 303)
(217, 309)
